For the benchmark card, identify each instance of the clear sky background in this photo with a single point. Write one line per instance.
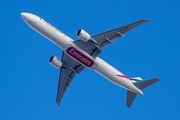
(28, 83)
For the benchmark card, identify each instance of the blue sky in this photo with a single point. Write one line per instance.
(28, 83)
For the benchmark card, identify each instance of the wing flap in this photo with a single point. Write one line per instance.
(65, 78)
(116, 33)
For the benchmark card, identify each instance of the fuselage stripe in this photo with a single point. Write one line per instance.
(123, 76)
(131, 79)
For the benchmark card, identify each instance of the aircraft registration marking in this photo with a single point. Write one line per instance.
(123, 76)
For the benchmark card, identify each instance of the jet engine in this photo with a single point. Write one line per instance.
(83, 35)
(54, 61)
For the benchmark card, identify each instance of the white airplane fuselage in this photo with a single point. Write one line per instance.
(76, 53)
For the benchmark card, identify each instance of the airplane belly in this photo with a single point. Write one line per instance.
(111, 73)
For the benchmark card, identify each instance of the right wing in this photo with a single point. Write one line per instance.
(110, 36)
(105, 38)
(67, 72)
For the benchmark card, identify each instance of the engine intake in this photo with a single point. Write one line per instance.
(54, 61)
(83, 35)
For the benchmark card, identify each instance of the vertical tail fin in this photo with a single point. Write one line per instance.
(140, 85)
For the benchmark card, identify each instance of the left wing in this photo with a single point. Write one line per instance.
(67, 73)
(105, 38)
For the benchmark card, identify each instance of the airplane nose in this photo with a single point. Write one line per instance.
(25, 16)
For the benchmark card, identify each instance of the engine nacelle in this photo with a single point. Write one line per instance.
(54, 61)
(83, 35)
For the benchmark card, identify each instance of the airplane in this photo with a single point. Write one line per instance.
(83, 53)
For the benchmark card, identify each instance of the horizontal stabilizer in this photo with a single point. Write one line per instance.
(145, 83)
(130, 98)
